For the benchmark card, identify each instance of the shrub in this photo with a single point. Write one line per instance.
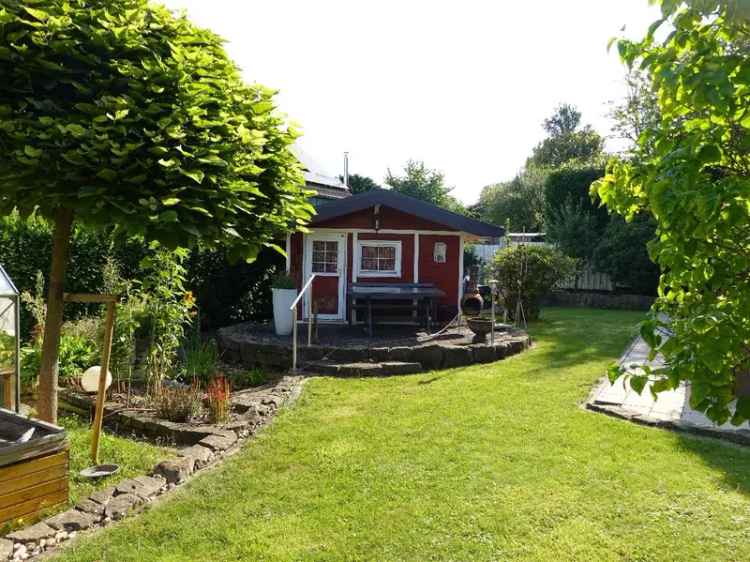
(529, 272)
(218, 394)
(199, 358)
(283, 281)
(177, 402)
(251, 377)
(622, 253)
(77, 353)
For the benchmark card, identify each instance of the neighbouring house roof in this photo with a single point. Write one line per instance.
(341, 207)
(325, 186)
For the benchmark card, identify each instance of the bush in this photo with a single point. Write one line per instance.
(177, 402)
(77, 353)
(622, 253)
(218, 394)
(529, 272)
(251, 377)
(199, 358)
(283, 281)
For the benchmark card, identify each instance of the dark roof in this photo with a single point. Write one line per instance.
(333, 209)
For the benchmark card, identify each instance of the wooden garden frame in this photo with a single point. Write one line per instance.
(111, 302)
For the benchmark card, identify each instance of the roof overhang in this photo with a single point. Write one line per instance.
(406, 204)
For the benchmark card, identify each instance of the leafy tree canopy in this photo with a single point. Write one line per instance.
(119, 113)
(519, 202)
(567, 140)
(691, 172)
(360, 184)
(423, 183)
(127, 115)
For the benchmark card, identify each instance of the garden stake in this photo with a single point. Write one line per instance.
(106, 352)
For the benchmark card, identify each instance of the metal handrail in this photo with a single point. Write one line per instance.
(307, 286)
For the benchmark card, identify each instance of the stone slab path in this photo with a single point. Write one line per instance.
(671, 409)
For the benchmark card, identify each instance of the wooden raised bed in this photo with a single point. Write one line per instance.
(34, 474)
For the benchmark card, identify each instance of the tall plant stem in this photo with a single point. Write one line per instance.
(48, 370)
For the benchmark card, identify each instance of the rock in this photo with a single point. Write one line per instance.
(200, 455)
(103, 496)
(143, 486)
(119, 506)
(71, 520)
(483, 353)
(501, 350)
(21, 553)
(430, 356)
(401, 354)
(379, 354)
(90, 507)
(175, 470)
(219, 442)
(35, 533)
(456, 356)
(400, 368)
(6, 549)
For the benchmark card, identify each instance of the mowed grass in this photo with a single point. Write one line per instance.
(491, 462)
(134, 458)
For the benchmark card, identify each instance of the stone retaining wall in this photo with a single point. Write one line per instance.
(241, 349)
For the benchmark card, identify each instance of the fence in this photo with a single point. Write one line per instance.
(586, 280)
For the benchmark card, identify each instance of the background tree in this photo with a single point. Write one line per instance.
(638, 112)
(423, 183)
(621, 252)
(519, 202)
(360, 184)
(567, 140)
(696, 186)
(122, 114)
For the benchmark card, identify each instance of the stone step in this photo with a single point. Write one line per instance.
(364, 369)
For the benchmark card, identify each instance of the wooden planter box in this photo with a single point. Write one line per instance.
(33, 475)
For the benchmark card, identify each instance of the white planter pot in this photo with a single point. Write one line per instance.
(282, 316)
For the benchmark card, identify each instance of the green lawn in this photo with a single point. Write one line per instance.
(493, 462)
(134, 457)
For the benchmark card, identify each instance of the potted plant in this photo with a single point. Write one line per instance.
(284, 292)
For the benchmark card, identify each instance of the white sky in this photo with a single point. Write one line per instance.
(463, 86)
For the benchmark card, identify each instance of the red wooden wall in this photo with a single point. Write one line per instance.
(444, 275)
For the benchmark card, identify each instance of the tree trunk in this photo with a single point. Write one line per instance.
(47, 403)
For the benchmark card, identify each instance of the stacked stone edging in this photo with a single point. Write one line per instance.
(110, 504)
(241, 349)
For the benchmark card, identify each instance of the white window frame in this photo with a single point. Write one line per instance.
(380, 244)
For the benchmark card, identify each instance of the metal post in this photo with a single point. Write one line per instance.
(309, 317)
(294, 339)
(18, 355)
(492, 300)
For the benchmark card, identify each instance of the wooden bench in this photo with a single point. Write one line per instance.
(417, 299)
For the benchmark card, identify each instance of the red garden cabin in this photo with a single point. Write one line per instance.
(381, 237)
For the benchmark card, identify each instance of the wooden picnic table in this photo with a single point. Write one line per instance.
(412, 297)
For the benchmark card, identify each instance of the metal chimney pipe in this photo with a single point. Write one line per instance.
(346, 169)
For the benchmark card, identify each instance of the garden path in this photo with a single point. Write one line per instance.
(670, 408)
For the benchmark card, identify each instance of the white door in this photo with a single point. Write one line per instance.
(325, 256)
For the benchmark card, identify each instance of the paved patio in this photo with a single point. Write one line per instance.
(671, 409)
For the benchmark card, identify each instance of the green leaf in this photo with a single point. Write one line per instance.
(41, 15)
(709, 154)
(213, 160)
(170, 201)
(32, 152)
(195, 175)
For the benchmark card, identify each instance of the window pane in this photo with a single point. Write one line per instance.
(387, 265)
(318, 267)
(331, 267)
(369, 251)
(369, 264)
(387, 252)
(319, 246)
(332, 247)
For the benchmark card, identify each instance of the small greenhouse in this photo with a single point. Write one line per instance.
(10, 325)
